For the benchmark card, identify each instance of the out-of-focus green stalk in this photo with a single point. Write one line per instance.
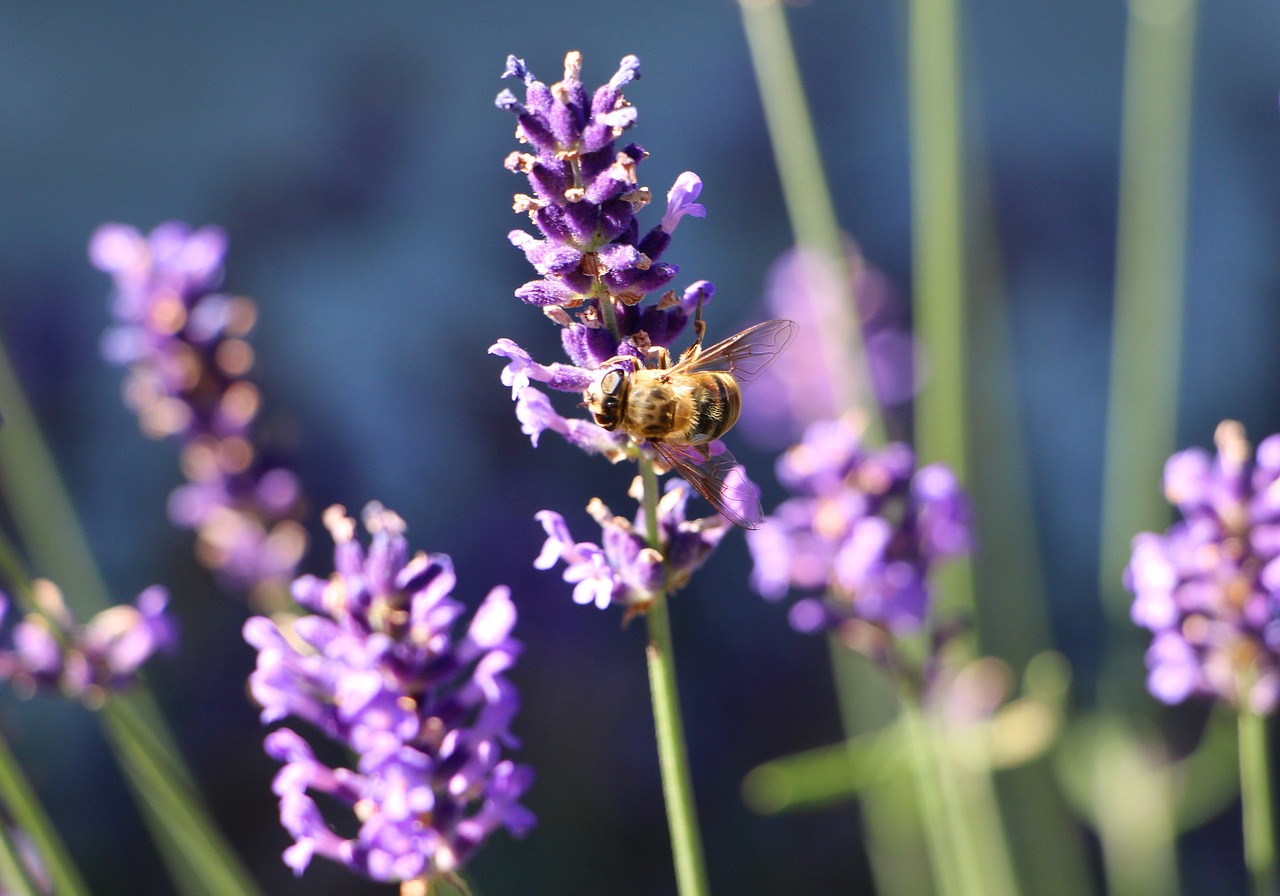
(1255, 797)
(1150, 241)
(191, 845)
(808, 201)
(940, 315)
(15, 878)
(1138, 846)
(673, 755)
(52, 537)
(41, 507)
(937, 217)
(954, 859)
(22, 805)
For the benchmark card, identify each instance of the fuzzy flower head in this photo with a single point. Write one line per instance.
(425, 712)
(51, 651)
(624, 569)
(1209, 588)
(185, 346)
(862, 533)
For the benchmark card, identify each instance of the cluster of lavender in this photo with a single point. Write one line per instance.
(184, 344)
(52, 651)
(596, 270)
(623, 570)
(1209, 587)
(864, 531)
(375, 666)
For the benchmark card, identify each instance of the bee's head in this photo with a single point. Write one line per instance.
(607, 396)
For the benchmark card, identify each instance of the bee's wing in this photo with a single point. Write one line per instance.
(748, 353)
(718, 477)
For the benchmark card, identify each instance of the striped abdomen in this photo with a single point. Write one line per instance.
(682, 408)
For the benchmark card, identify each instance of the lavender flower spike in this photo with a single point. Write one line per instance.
(862, 534)
(1209, 587)
(377, 667)
(184, 343)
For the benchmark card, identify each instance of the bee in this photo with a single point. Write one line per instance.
(680, 409)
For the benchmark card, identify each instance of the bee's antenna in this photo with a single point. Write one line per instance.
(699, 325)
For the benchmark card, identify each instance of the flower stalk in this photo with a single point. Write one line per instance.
(1255, 797)
(673, 754)
(22, 805)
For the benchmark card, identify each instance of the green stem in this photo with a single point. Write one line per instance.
(199, 862)
(24, 808)
(953, 873)
(1255, 797)
(1150, 243)
(808, 200)
(673, 756)
(15, 878)
(938, 250)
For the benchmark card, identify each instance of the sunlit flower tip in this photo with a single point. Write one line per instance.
(681, 201)
(865, 529)
(521, 369)
(1209, 587)
(378, 668)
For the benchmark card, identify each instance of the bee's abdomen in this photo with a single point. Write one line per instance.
(716, 403)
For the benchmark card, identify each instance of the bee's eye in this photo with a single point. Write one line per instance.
(611, 383)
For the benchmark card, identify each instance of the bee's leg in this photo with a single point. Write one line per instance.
(699, 325)
(689, 355)
(661, 357)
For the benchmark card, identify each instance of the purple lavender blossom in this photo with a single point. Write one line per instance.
(184, 344)
(595, 266)
(51, 651)
(596, 269)
(376, 667)
(1209, 587)
(862, 534)
(623, 569)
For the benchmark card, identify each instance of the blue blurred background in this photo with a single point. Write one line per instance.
(353, 154)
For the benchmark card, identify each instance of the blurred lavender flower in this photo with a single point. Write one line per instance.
(623, 569)
(376, 667)
(52, 651)
(1209, 587)
(184, 344)
(804, 387)
(865, 529)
